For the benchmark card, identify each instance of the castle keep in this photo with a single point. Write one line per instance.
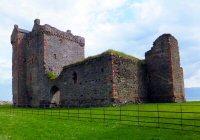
(49, 68)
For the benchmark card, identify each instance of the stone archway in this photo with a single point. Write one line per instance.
(55, 97)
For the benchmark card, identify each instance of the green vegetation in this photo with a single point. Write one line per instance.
(52, 75)
(142, 62)
(121, 54)
(83, 123)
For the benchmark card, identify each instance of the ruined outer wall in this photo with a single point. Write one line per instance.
(162, 65)
(93, 85)
(129, 80)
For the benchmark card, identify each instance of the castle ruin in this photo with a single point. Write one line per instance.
(49, 69)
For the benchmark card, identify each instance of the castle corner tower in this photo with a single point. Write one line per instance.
(36, 53)
(165, 76)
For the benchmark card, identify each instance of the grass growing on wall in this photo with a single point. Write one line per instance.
(121, 54)
(47, 124)
(51, 75)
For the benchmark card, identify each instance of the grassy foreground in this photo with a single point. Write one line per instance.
(53, 124)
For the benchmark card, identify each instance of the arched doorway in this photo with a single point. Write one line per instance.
(55, 97)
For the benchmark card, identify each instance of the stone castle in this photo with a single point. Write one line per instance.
(49, 69)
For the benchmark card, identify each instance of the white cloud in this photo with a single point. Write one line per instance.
(149, 11)
(128, 26)
(5, 71)
(193, 80)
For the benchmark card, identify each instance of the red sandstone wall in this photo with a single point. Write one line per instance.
(164, 71)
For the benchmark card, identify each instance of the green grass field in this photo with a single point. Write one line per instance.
(131, 122)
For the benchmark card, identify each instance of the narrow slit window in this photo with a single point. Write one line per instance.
(75, 77)
(54, 56)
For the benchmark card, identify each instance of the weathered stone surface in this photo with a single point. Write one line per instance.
(111, 78)
(129, 81)
(164, 72)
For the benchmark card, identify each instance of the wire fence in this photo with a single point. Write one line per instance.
(174, 116)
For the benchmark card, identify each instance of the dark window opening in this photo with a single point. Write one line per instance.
(75, 77)
(55, 96)
(24, 60)
(102, 70)
(54, 56)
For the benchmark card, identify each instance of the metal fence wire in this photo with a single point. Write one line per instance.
(174, 116)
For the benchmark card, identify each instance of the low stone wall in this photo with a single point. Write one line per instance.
(86, 83)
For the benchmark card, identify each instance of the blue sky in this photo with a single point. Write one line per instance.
(130, 26)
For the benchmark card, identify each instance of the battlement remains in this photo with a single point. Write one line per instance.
(49, 30)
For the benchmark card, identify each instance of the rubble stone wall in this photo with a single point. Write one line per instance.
(129, 80)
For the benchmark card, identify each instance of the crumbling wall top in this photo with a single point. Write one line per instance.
(164, 38)
(49, 30)
(163, 41)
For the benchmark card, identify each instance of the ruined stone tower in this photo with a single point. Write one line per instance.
(49, 69)
(165, 75)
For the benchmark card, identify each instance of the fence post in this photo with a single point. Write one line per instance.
(181, 117)
(78, 109)
(44, 110)
(68, 111)
(120, 109)
(104, 116)
(158, 116)
(138, 116)
(59, 112)
(22, 109)
(90, 113)
(51, 111)
(38, 111)
(31, 110)
(10, 110)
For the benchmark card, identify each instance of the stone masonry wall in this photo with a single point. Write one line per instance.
(129, 80)
(178, 82)
(35, 67)
(14, 42)
(18, 40)
(44, 49)
(159, 71)
(59, 52)
(87, 83)
(162, 62)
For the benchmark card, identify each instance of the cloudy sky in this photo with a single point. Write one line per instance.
(130, 26)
